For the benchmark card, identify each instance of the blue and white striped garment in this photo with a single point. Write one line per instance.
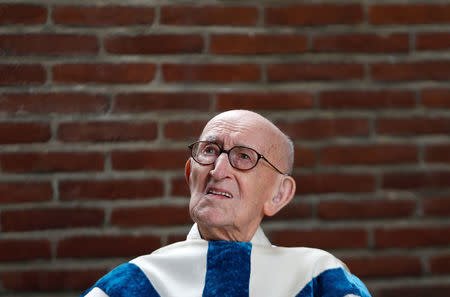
(196, 267)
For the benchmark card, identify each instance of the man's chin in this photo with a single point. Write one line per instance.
(210, 218)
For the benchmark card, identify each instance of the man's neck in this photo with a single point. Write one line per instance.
(214, 233)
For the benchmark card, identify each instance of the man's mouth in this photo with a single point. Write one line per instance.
(225, 194)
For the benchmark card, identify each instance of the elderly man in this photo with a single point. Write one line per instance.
(238, 172)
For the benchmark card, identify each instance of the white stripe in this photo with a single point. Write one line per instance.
(96, 292)
(282, 272)
(178, 269)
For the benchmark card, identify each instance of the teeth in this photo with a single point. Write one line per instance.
(219, 193)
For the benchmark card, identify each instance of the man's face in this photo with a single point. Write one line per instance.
(227, 198)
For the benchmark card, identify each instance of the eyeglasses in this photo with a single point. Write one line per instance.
(240, 157)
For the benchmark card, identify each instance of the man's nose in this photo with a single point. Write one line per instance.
(222, 167)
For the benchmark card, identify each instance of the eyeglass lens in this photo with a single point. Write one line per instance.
(239, 157)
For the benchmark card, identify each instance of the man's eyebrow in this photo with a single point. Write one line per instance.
(211, 138)
(215, 140)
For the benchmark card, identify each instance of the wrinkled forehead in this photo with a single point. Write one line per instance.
(232, 131)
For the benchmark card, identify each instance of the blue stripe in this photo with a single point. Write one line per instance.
(228, 269)
(334, 283)
(126, 280)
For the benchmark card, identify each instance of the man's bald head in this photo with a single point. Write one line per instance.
(278, 144)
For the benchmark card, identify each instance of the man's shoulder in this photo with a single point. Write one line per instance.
(306, 255)
(302, 251)
(188, 247)
(125, 280)
(311, 272)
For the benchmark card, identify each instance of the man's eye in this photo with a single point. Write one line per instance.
(209, 150)
(244, 156)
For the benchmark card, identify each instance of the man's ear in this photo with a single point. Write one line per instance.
(187, 170)
(284, 196)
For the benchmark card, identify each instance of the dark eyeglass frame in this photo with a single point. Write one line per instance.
(221, 150)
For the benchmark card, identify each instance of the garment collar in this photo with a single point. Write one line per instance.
(258, 239)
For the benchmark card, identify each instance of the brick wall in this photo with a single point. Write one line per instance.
(99, 100)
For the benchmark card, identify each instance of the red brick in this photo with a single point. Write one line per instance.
(369, 154)
(409, 14)
(175, 238)
(107, 131)
(317, 71)
(24, 249)
(264, 100)
(209, 15)
(53, 103)
(433, 41)
(22, 14)
(424, 70)
(416, 180)
(436, 98)
(104, 73)
(211, 73)
(366, 209)
(438, 153)
(366, 43)
(324, 14)
(436, 206)
(103, 16)
(17, 192)
(179, 187)
(258, 44)
(324, 239)
(105, 246)
(292, 211)
(48, 44)
(384, 266)
(51, 162)
(366, 99)
(440, 264)
(147, 102)
(414, 126)
(189, 130)
(304, 157)
(413, 289)
(325, 128)
(24, 132)
(155, 44)
(21, 74)
(337, 182)
(55, 218)
(110, 189)
(412, 237)
(51, 280)
(162, 159)
(150, 216)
